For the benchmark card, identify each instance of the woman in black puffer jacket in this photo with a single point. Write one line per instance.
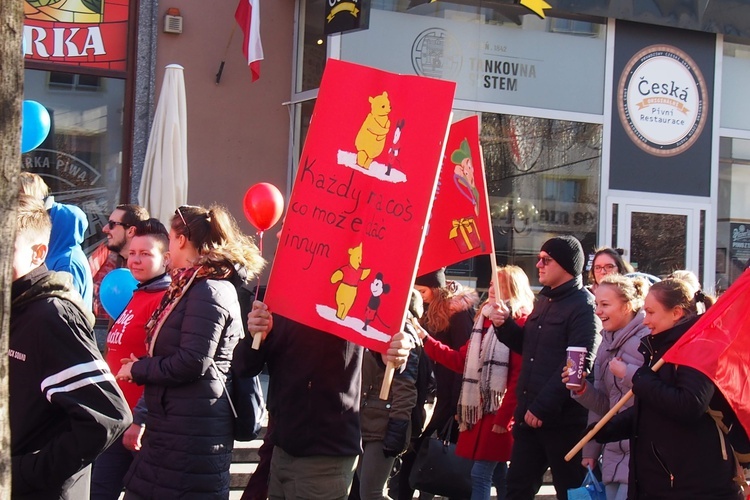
(187, 445)
(676, 448)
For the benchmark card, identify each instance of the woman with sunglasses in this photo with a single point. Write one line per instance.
(187, 446)
(606, 261)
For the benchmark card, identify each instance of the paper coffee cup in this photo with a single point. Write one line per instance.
(575, 363)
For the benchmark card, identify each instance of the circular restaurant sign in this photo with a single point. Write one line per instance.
(662, 100)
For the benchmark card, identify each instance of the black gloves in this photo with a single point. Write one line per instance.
(394, 442)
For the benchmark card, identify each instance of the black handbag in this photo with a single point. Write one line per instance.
(438, 470)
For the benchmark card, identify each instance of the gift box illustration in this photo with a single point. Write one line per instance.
(465, 234)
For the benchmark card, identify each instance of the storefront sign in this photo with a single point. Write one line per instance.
(491, 64)
(662, 100)
(739, 250)
(661, 109)
(342, 16)
(357, 214)
(88, 33)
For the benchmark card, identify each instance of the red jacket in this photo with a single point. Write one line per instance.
(479, 442)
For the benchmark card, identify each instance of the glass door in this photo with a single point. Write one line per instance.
(657, 238)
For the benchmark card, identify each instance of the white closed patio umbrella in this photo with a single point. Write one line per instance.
(164, 183)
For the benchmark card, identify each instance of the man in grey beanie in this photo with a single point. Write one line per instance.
(548, 422)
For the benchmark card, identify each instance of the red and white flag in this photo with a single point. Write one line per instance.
(248, 17)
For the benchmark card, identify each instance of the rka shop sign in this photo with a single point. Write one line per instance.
(662, 100)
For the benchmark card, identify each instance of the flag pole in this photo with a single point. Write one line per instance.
(226, 51)
(606, 418)
(493, 257)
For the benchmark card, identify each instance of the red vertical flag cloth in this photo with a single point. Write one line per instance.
(459, 225)
(248, 17)
(718, 345)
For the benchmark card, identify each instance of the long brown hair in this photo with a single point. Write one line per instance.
(672, 293)
(217, 237)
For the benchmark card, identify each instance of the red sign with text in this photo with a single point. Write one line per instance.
(90, 33)
(348, 251)
(460, 225)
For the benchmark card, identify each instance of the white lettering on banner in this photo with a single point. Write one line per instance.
(64, 42)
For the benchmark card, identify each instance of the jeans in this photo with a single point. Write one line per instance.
(484, 474)
(109, 471)
(373, 469)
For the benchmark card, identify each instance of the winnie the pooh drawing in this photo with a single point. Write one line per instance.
(349, 277)
(370, 139)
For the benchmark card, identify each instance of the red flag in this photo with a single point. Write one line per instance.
(459, 226)
(718, 345)
(248, 17)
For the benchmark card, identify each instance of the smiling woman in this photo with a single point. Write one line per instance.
(618, 306)
(676, 447)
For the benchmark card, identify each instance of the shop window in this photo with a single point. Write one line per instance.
(733, 212)
(71, 81)
(81, 159)
(543, 179)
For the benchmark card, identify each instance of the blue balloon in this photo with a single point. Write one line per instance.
(116, 291)
(35, 126)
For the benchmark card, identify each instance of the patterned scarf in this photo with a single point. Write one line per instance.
(182, 279)
(485, 374)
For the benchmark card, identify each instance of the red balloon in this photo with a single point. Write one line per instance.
(263, 205)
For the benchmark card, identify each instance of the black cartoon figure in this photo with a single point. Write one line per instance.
(395, 146)
(377, 288)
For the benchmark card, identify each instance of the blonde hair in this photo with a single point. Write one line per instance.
(672, 292)
(631, 290)
(33, 185)
(34, 224)
(521, 300)
(217, 237)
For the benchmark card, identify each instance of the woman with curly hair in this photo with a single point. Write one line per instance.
(187, 445)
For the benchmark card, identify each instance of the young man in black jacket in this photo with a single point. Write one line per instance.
(548, 422)
(65, 406)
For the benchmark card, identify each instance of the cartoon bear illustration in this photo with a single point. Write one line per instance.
(370, 139)
(349, 275)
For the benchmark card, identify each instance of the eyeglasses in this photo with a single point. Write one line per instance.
(112, 223)
(544, 260)
(178, 212)
(606, 267)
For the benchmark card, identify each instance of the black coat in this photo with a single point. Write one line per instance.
(562, 316)
(313, 389)
(675, 445)
(187, 447)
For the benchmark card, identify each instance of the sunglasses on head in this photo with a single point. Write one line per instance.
(178, 212)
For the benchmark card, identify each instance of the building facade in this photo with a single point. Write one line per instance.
(623, 123)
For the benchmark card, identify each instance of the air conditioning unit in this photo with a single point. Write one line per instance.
(173, 21)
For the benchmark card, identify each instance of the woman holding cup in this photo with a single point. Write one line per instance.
(619, 302)
(678, 449)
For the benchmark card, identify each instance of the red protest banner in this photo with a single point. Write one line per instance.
(459, 226)
(357, 213)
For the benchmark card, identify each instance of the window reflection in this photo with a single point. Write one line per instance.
(81, 159)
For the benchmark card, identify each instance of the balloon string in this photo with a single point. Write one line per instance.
(260, 249)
